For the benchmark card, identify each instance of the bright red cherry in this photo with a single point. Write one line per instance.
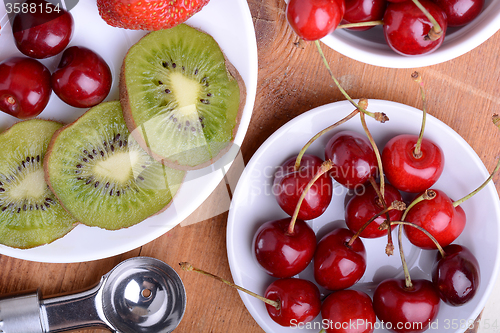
(408, 310)
(354, 160)
(406, 28)
(82, 79)
(439, 217)
(290, 184)
(457, 275)
(24, 87)
(43, 31)
(357, 11)
(460, 12)
(314, 19)
(408, 172)
(348, 311)
(361, 208)
(336, 264)
(299, 299)
(280, 253)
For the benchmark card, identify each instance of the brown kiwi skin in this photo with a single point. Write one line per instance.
(47, 177)
(127, 114)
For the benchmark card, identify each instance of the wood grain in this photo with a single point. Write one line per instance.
(463, 93)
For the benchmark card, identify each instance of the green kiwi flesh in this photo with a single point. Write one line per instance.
(30, 215)
(181, 98)
(102, 176)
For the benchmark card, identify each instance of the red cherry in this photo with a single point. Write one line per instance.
(336, 264)
(290, 184)
(299, 299)
(460, 12)
(406, 310)
(361, 208)
(357, 11)
(439, 217)
(82, 79)
(456, 276)
(407, 172)
(406, 28)
(280, 253)
(354, 160)
(24, 87)
(348, 311)
(43, 31)
(314, 19)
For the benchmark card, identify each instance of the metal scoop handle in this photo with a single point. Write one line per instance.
(29, 313)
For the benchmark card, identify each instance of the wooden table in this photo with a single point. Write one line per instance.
(463, 93)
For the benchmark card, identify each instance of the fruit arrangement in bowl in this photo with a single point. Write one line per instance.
(93, 166)
(396, 34)
(349, 253)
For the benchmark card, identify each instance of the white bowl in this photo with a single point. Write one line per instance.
(253, 204)
(370, 46)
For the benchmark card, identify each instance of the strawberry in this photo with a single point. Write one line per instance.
(148, 14)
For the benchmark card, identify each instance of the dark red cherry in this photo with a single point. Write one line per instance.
(353, 158)
(439, 217)
(336, 264)
(43, 31)
(290, 184)
(280, 253)
(406, 309)
(24, 87)
(457, 275)
(357, 11)
(299, 299)
(460, 12)
(406, 28)
(82, 79)
(314, 19)
(348, 311)
(362, 207)
(410, 173)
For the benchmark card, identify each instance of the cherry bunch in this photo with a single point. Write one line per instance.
(431, 220)
(410, 27)
(43, 30)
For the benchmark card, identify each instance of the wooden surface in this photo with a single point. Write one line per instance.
(463, 93)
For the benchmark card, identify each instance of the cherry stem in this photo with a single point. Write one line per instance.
(399, 205)
(377, 155)
(427, 195)
(379, 116)
(436, 32)
(189, 268)
(314, 138)
(325, 166)
(428, 234)
(470, 195)
(408, 282)
(389, 248)
(417, 153)
(360, 24)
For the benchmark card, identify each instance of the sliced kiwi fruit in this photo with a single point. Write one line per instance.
(102, 176)
(182, 99)
(30, 215)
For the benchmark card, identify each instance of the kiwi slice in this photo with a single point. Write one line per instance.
(102, 176)
(182, 99)
(29, 212)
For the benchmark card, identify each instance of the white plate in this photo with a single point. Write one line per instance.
(463, 172)
(230, 23)
(370, 46)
